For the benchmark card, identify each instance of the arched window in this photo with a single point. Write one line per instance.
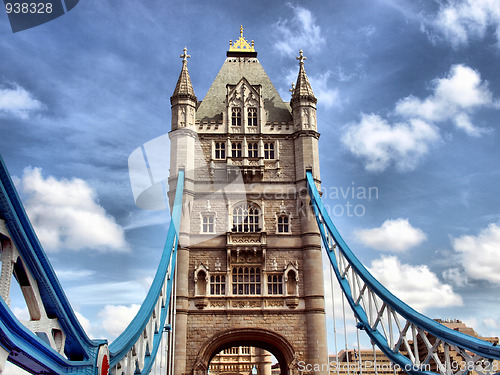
(252, 116)
(246, 280)
(201, 284)
(283, 224)
(236, 150)
(236, 116)
(291, 285)
(220, 150)
(246, 218)
(253, 151)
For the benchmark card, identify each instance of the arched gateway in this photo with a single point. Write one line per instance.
(249, 269)
(271, 341)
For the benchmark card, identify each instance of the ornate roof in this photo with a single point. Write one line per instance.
(184, 88)
(241, 44)
(302, 87)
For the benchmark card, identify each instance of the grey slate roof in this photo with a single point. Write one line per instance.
(232, 71)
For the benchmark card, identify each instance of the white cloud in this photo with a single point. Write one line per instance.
(462, 21)
(403, 143)
(300, 32)
(479, 254)
(327, 96)
(85, 323)
(73, 274)
(116, 318)
(454, 98)
(18, 102)
(66, 215)
(381, 144)
(456, 276)
(394, 235)
(415, 285)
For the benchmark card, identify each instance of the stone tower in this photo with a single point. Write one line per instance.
(249, 269)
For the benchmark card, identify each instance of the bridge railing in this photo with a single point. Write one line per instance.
(135, 350)
(408, 338)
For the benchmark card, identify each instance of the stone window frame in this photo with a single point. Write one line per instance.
(252, 116)
(237, 152)
(222, 283)
(280, 288)
(213, 216)
(253, 149)
(236, 116)
(256, 223)
(240, 279)
(270, 151)
(219, 150)
(288, 224)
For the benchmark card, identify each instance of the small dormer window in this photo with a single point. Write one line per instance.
(252, 116)
(236, 116)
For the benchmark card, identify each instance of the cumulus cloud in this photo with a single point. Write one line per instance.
(66, 215)
(456, 276)
(381, 144)
(479, 254)
(417, 286)
(454, 98)
(18, 102)
(299, 32)
(459, 22)
(115, 318)
(327, 96)
(394, 235)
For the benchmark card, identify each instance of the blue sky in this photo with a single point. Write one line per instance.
(408, 105)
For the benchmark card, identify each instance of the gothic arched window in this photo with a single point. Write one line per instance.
(246, 218)
(236, 116)
(283, 224)
(253, 150)
(252, 116)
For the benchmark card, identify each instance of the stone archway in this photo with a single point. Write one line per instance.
(257, 337)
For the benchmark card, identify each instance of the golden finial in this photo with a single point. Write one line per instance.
(241, 45)
(185, 56)
(301, 57)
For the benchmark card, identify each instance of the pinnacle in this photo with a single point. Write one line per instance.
(184, 88)
(302, 87)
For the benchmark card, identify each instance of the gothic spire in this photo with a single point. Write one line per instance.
(184, 88)
(302, 87)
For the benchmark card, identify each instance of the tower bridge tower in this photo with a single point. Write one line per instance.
(249, 269)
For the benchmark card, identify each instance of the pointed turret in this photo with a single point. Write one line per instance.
(183, 99)
(184, 88)
(303, 105)
(302, 88)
